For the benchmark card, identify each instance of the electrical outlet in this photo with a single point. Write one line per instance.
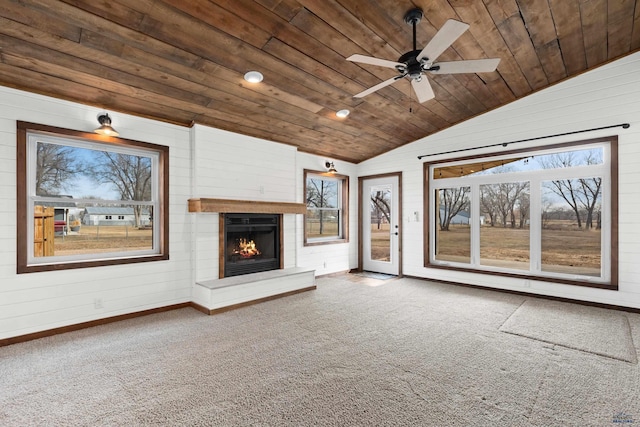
(262, 189)
(325, 264)
(97, 303)
(527, 284)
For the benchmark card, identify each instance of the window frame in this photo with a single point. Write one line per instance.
(609, 249)
(343, 200)
(24, 130)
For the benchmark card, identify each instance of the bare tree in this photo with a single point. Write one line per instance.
(547, 205)
(524, 203)
(577, 193)
(55, 165)
(320, 194)
(513, 193)
(381, 206)
(452, 202)
(488, 203)
(130, 175)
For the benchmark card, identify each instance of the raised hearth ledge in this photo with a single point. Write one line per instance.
(206, 205)
(218, 295)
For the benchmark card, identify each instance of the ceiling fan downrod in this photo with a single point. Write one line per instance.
(413, 17)
(412, 66)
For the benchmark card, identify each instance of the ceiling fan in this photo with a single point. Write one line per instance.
(415, 63)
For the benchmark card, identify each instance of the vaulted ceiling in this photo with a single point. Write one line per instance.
(183, 61)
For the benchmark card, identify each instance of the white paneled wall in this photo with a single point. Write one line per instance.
(606, 96)
(232, 166)
(39, 301)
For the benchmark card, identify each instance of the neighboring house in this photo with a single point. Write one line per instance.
(461, 218)
(61, 211)
(113, 216)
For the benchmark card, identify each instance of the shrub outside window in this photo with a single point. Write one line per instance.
(546, 213)
(86, 200)
(326, 196)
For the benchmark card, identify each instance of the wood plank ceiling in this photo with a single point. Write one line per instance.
(183, 61)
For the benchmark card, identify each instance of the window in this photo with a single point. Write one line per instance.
(545, 214)
(326, 197)
(71, 186)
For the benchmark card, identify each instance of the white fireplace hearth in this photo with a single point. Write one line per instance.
(215, 296)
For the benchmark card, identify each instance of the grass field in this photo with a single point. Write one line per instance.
(380, 243)
(564, 249)
(95, 239)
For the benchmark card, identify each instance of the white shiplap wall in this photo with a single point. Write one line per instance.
(606, 96)
(231, 166)
(39, 301)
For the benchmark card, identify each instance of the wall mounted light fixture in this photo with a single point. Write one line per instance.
(105, 126)
(330, 167)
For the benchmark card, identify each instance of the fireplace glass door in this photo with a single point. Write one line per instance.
(252, 243)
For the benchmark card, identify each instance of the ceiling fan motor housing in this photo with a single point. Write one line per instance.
(413, 67)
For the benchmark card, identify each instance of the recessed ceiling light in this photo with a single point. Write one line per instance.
(253, 77)
(342, 113)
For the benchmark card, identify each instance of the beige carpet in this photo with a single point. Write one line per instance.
(594, 330)
(409, 353)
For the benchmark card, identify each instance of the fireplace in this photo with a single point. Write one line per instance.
(250, 243)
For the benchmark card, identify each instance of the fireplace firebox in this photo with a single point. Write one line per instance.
(251, 243)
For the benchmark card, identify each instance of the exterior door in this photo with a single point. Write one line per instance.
(381, 225)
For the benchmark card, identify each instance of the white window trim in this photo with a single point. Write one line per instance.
(26, 262)
(535, 179)
(32, 140)
(343, 186)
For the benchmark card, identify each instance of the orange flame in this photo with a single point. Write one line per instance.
(246, 248)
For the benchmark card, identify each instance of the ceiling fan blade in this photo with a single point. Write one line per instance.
(468, 66)
(444, 38)
(373, 61)
(377, 87)
(423, 89)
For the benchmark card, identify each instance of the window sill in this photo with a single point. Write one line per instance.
(612, 285)
(326, 242)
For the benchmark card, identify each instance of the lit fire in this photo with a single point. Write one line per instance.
(246, 248)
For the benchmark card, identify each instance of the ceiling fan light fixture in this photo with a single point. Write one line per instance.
(253, 76)
(105, 128)
(343, 113)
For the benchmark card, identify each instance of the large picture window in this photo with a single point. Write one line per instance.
(86, 200)
(326, 196)
(546, 214)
